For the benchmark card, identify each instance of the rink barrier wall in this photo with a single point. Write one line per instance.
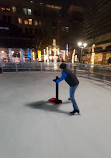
(97, 72)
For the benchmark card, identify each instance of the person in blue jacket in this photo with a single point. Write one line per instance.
(73, 82)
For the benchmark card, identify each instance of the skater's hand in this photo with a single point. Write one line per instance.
(54, 80)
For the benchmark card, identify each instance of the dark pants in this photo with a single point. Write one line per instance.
(72, 92)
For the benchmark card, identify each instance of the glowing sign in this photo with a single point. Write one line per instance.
(39, 55)
(28, 54)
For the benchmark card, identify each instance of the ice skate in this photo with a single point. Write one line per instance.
(75, 111)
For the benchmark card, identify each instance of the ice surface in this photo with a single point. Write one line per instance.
(30, 127)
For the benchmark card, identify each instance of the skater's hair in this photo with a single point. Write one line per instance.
(62, 66)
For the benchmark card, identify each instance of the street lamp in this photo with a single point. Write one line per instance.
(79, 44)
(82, 46)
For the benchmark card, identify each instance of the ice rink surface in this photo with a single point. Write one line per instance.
(30, 127)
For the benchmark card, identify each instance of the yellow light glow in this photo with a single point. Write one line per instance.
(50, 51)
(50, 57)
(92, 58)
(47, 50)
(58, 51)
(79, 44)
(73, 56)
(12, 52)
(64, 55)
(20, 20)
(8, 9)
(2, 8)
(55, 62)
(26, 22)
(45, 56)
(30, 21)
(14, 8)
(54, 42)
(54, 51)
(84, 44)
(53, 7)
(39, 55)
(33, 56)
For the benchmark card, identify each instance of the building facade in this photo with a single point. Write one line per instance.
(30, 25)
(26, 24)
(97, 29)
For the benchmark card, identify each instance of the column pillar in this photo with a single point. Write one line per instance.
(10, 54)
(21, 55)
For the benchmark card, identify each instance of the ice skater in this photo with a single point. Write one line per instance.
(73, 82)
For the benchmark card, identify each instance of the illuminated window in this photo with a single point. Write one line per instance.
(14, 9)
(53, 7)
(65, 29)
(26, 22)
(35, 23)
(8, 9)
(29, 11)
(2, 9)
(25, 10)
(20, 20)
(30, 21)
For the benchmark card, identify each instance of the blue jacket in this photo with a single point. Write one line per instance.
(69, 77)
(64, 75)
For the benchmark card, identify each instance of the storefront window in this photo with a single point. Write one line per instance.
(16, 55)
(13, 9)
(4, 55)
(98, 58)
